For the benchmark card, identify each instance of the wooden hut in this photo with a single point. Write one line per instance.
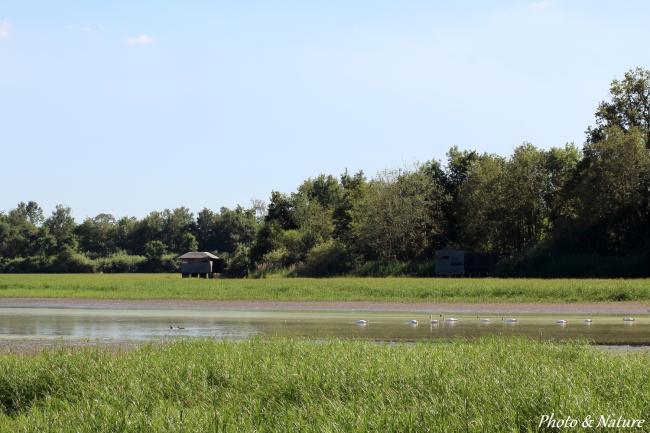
(458, 263)
(199, 264)
(450, 263)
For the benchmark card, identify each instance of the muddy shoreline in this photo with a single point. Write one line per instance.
(427, 307)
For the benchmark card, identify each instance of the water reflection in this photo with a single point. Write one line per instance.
(156, 324)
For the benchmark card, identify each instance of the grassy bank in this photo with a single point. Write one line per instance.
(292, 385)
(171, 286)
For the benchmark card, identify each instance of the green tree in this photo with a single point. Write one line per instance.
(608, 209)
(155, 250)
(481, 205)
(227, 230)
(561, 165)
(97, 235)
(281, 210)
(629, 107)
(324, 190)
(451, 178)
(525, 189)
(399, 217)
(189, 242)
(148, 229)
(19, 230)
(61, 226)
(354, 189)
(176, 223)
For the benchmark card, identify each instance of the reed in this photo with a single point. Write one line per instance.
(281, 385)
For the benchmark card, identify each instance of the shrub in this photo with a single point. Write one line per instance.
(422, 269)
(276, 259)
(120, 263)
(238, 265)
(168, 263)
(381, 268)
(26, 264)
(69, 261)
(326, 259)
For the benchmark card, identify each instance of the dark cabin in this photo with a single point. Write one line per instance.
(199, 264)
(459, 263)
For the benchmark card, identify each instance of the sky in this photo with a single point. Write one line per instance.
(125, 107)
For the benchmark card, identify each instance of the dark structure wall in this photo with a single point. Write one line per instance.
(480, 264)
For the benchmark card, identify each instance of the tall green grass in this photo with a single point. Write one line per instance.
(172, 286)
(493, 385)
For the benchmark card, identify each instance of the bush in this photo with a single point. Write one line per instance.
(326, 259)
(166, 263)
(69, 261)
(422, 269)
(238, 265)
(276, 259)
(26, 265)
(381, 268)
(118, 263)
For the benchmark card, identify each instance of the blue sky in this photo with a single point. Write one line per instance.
(126, 107)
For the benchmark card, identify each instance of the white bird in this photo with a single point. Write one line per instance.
(413, 322)
(485, 320)
(362, 322)
(587, 320)
(451, 319)
(628, 319)
(510, 320)
(434, 321)
(561, 322)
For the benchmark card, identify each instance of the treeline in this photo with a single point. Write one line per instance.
(565, 211)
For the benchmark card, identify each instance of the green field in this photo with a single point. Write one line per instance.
(495, 385)
(172, 286)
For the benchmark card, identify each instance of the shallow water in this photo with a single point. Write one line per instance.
(141, 325)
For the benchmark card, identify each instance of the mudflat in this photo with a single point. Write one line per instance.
(425, 307)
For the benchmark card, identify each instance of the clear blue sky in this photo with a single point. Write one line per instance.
(126, 107)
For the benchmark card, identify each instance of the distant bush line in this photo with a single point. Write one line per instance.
(561, 212)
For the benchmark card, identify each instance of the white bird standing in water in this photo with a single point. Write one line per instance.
(413, 322)
(561, 322)
(362, 322)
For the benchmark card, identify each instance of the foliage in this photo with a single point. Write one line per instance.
(171, 286)
(381, 268)
(581, 206)
(628, 109)
(238, 265)
(281, 385)
(120, 262)
(327, 259)
(399, 217)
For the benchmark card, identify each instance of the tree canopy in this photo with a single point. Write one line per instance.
(531, 208)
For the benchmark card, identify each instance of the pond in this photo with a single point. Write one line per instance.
(47, 324)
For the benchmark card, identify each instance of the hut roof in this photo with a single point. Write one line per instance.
(198, 255)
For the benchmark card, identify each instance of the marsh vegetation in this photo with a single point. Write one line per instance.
(493, 384)
(171, 286)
